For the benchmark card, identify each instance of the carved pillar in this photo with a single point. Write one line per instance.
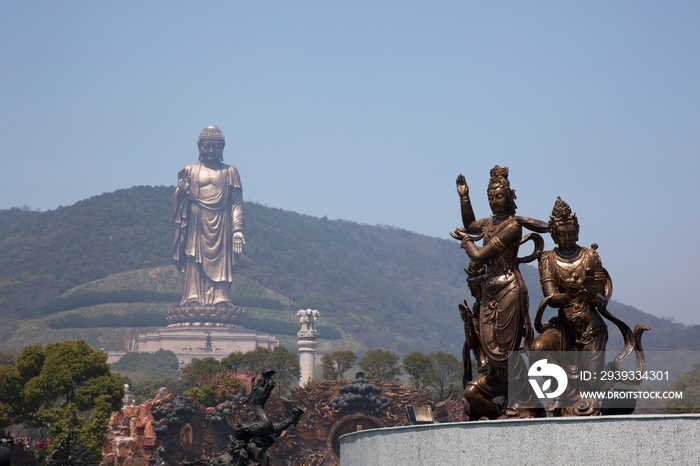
(128, 399)
(307, 344)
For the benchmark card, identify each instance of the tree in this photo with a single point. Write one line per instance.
(235, 362)
(212, 382)
(447, 371)
(204, 395)
(336, 363)
(689, 384)
(255, 361)
(10, 395)
(6, 359)
(420, 369)
(381, 364)
(201, 372)
(146, 390)
(252, 362)
(67, 385)
(71, 452)
(223, 387)
(440, 372)
(144, 366)
(226, 386)
(286, 365)
(284, 362)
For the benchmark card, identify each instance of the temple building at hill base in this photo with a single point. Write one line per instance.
(199, 343)
(201, 334)
(190, 339)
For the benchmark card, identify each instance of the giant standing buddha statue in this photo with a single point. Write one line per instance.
(208, 221)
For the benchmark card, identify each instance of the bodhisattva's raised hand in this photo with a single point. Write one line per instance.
(238, 242)
(465, 313)
(183, 181)
(462, 188)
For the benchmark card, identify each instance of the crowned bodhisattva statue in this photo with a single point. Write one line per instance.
(208, 221)
(575, 283)
(499, 323)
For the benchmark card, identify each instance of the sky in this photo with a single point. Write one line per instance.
(368, 110)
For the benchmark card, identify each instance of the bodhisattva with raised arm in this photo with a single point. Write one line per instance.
(208, 220)
(502, 322)
(574, 282)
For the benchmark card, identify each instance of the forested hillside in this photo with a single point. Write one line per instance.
(386, 287)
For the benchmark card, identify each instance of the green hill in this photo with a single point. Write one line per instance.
(379, 287)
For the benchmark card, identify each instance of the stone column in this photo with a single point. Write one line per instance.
(307, 344)
(128, 399)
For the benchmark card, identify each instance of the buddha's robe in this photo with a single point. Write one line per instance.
(205, 221)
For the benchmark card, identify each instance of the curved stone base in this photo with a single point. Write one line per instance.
(198, 315)
(614, 440)
(191, 342)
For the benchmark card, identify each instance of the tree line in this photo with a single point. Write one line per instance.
(69, 387)
(208, 380)
(94, 298)
(440, 372)
(156, 319)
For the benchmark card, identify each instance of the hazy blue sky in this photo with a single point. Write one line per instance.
(367, 111)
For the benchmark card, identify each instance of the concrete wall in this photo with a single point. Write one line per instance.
(610, 440)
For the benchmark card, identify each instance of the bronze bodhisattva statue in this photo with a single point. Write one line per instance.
(574, 282)
(498, 327)
(499, 323)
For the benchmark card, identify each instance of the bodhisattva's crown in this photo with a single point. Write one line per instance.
(561, 212)
(499, 176)
(499, 179)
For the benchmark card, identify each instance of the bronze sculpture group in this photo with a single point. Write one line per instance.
(498, 327)
(208, 221)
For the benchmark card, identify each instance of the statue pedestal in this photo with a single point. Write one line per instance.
(199, 315)
(204, 331)
(633, 439)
